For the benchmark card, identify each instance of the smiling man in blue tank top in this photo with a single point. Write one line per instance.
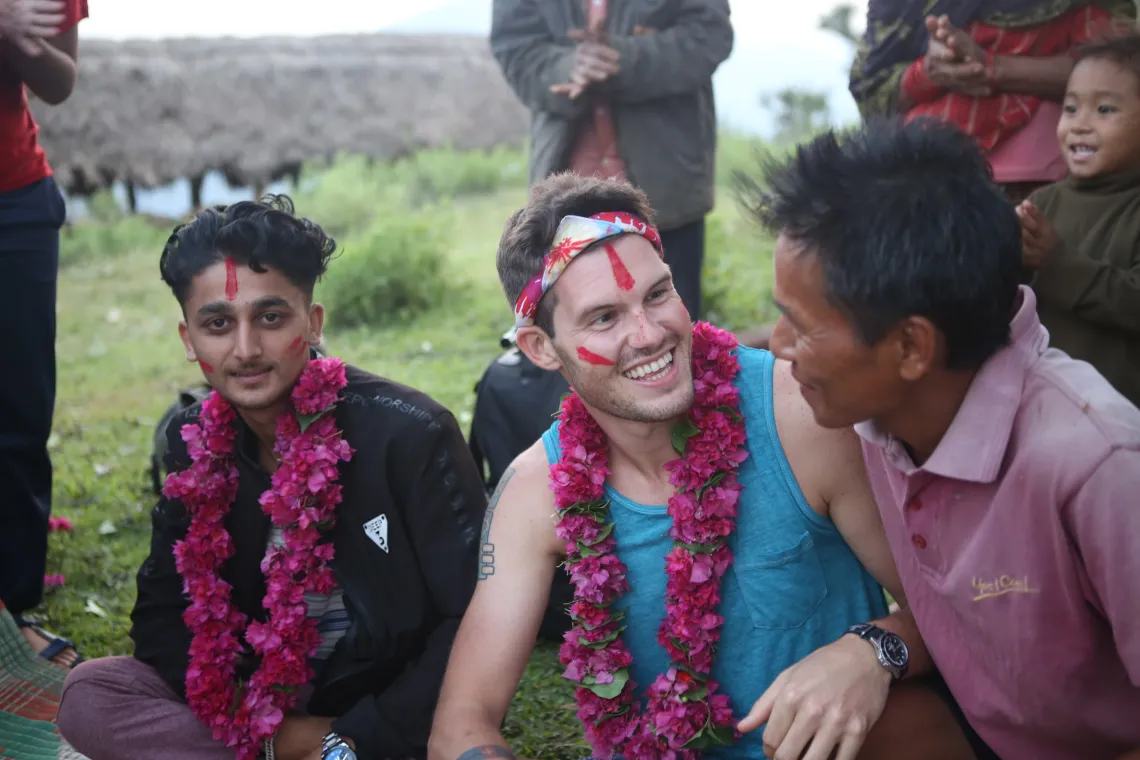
(593, 299)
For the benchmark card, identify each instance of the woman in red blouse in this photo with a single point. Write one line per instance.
(996, 68)
(38, 54)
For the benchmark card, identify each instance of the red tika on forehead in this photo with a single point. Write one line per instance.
(574, 235)
(231, 279)
(622, 276)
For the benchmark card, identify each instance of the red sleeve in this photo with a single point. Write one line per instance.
(918, 85)
(1091, 24)
(75, 12)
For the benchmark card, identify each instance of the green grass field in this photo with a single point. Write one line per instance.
(121, 364)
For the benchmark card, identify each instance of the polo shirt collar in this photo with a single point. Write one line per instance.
(974, 446)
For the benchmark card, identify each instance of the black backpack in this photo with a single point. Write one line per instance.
(515, 403)
(187, 397)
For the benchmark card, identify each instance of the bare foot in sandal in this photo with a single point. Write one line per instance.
(40, 643)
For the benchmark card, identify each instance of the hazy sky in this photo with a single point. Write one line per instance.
(755, 20)
(778, 43)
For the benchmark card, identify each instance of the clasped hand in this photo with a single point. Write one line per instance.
(827, 701)
(954, 61)
(25, 23)
(1038, 235)
(594, 62)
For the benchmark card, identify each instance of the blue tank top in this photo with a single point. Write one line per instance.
(794, 585)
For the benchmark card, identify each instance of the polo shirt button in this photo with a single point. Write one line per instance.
(914, 505)
(918, 541)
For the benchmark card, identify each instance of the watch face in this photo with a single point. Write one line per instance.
(341, 752)
(894, 650)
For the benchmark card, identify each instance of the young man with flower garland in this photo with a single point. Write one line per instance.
(314, 549)
(686, 614)
(1006, 472)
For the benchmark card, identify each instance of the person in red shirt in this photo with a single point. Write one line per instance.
(995, 68)
(38, 56)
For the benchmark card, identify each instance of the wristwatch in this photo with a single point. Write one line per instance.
(336, 748)
(889, 648)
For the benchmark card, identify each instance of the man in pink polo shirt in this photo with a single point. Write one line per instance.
(1007, 473)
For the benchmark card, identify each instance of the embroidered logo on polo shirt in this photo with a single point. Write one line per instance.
(377, 530)
(1000, 586)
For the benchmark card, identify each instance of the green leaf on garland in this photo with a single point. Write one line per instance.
(722, 736)
(695, 694)
(609, 690)
(614, 618)
(716, 478)
(603, 534)
(611, 638)
(598, 509)
(733, 415)
(585, 550)
(699, 677)
(698, 548)
(304, 420)
(239, 693)
(681, 434)
(609, 716)
(711, 736)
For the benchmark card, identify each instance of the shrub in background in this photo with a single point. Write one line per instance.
(736, 277)
(108, 232)
(438, 174)
(392, 272)
(345, 196)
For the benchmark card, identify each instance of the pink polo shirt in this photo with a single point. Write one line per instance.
(1018, 543)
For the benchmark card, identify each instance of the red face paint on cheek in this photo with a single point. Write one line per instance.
(590, 357)
(621, 275)
(205, 367)
(231, 278)
(298, 345)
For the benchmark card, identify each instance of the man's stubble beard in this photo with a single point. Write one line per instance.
(626, 408)
(279, 400)
(648, 414)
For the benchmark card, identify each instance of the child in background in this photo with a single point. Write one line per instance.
(1082, 235)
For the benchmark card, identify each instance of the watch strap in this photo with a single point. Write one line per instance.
(332, 741)
(874, 635)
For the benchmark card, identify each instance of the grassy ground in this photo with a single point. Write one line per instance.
(120, 365)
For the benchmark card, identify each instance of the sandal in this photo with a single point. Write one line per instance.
(56, 644)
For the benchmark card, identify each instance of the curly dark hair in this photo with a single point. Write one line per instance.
(257, 234)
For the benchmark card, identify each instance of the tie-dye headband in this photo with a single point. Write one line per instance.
(574, 235)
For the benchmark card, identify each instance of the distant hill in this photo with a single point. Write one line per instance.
(763, 60)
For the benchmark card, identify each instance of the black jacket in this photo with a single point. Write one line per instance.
(411, 464)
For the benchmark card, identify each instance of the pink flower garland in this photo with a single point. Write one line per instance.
(684, 713)
(301, 501)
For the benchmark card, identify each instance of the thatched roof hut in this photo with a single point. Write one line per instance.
(150, 112)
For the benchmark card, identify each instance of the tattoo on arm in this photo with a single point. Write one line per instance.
(486, 548)
(488, 751)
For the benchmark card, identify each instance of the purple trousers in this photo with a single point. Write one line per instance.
(117, 708)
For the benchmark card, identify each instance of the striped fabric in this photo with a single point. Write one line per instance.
(328, 609)
(29, 698)
(993, 119)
